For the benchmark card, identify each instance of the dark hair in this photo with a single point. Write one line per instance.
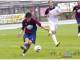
(50, 1)
(28, 15)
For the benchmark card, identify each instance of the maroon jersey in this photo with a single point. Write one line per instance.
(76, 9)
(32, 22)
(48, 9)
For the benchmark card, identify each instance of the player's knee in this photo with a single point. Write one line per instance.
(26, 40)
(53, 32)
(30, 42)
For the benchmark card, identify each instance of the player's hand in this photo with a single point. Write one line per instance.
(18, 35)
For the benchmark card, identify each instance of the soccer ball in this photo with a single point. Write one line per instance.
(37, 48)
(29, 27)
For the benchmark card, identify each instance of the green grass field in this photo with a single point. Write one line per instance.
(66, 34)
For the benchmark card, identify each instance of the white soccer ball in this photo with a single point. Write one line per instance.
(37, 48)
(29, 27)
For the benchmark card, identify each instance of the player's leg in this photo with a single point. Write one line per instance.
(28, 41)
(27, 47)
(31, 40)
(78, 22)
(26, 44)
(78, 30)
(53, 33)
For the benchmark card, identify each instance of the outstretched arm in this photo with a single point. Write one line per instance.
(40, 25)
(74, 12)
(22, 30)
(43, 27)
(20, 33)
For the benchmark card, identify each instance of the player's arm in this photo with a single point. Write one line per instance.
(46, 13)
(43, 27)
(74, 12)
(58, 12)
(40, 25)
(20, 33)
(22, 30)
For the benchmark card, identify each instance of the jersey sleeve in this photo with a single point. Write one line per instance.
(47, 11)
(74, 9)
(23, 25)
(38, 23)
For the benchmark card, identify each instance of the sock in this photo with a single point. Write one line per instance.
(54, 39)
(25, 45)
(25, 50)
(78, 29)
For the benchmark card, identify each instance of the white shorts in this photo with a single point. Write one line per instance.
(52, 26)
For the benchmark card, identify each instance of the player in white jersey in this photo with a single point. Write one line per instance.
(52, 14)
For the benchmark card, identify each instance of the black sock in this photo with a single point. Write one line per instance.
(25, 50)
(78, 29)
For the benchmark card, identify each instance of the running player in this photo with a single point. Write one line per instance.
(76, 11)
(52, 14)
(29, 29)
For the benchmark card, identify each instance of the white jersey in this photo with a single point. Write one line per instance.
(52, 15)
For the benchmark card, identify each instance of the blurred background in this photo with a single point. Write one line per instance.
(13, 11)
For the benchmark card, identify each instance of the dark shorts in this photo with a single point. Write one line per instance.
(78, 20)
(32, 37)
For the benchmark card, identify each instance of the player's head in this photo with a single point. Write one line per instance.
(28, 16)
(51, 4)
(78, 3)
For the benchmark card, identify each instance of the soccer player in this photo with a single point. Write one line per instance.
(76, 11)
(29, 28)
(52, 13)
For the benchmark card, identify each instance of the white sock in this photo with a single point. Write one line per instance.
(54, 39)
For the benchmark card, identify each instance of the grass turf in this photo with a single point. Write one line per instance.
(66, 34)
